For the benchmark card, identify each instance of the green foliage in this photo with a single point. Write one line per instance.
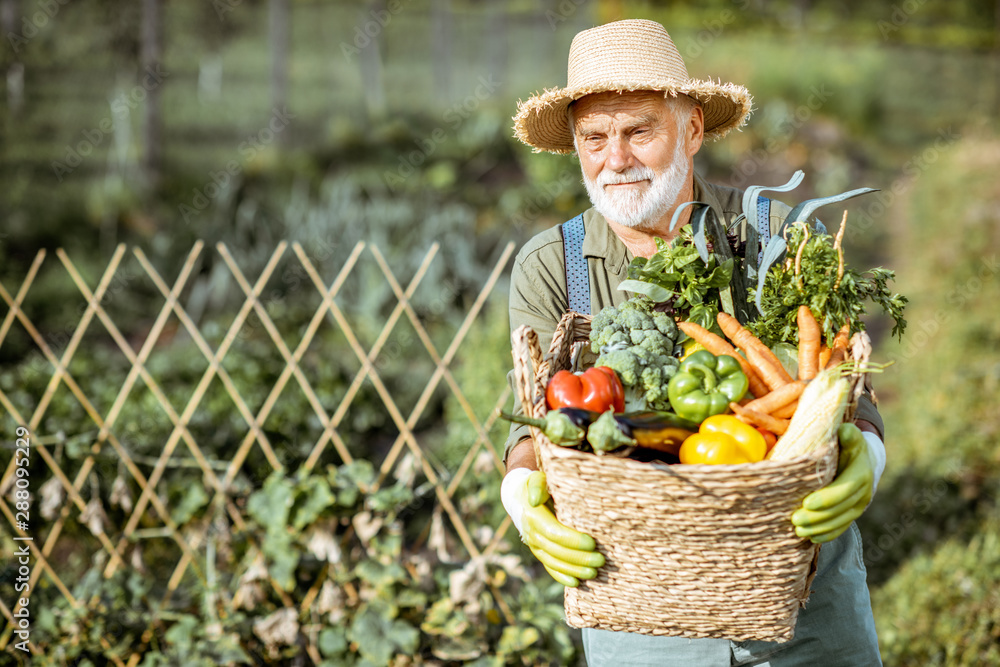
(815, 274)
(930, 534)
(942, 609)
(677, 275)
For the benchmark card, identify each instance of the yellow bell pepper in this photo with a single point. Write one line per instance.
(723, 439)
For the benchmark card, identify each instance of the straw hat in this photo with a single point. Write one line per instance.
(625, 56)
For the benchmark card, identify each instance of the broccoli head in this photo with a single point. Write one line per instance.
(637, 343)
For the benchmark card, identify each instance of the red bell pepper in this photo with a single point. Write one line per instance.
(597, 389)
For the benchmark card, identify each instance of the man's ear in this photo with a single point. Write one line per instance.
(695, 130)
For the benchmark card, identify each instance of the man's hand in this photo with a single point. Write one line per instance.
(827, 512)
(568, 555)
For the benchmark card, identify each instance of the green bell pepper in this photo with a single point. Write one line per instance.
(705, 384)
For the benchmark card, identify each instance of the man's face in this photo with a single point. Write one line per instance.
(635, 155)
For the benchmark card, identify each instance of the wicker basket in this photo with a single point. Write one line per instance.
(691, 550)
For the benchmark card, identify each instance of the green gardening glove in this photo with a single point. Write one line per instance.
(828, 512)
(568, 555)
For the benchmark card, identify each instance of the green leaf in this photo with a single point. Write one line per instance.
(192, 499)
(381, 576)
(282, 557)
(314, 496)
(649, 290)
(677, 212)
(515, 639)
(270, 506)
(698, 232)
(775, 249)
(332, 642)
(180, 636)
(380, 638)
(803, 211)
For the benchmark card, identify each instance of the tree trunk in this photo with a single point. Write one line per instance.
(152, 53)
(280, 37)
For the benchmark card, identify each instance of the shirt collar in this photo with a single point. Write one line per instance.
(600, 241)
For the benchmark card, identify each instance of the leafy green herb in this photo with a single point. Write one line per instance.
(814, 274)
(676, 277)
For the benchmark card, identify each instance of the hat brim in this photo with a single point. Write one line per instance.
(542, 121)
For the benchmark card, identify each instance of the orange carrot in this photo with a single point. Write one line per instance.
(838, 351)
(786, 411)
(778, 398)
(718, 345)
(759, 355)
(768, 371)
(776, 426)
(824, 355)
(809, 340)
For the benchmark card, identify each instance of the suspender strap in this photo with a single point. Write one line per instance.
(763, 225)
(577, 272)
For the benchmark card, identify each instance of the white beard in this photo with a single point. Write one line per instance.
(635, 209)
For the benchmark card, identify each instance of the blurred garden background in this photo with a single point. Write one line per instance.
(254, 258)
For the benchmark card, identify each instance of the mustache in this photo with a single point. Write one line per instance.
(632, 175)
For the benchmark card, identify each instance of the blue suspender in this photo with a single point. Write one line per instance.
(763, 225)
(577, 272)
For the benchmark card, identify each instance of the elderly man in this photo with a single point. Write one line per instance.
(636, 119)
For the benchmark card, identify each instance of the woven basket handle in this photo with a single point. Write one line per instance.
(528, 363)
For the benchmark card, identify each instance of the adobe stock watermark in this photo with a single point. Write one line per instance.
(248, 150)
(893, 531)
(562, 12)
(223, 7)
(900, 16)
(755, 159)
(121, 106)
(31, 26)
(426, 146)
(966, 292)
(694, 46)
(375, 22)
(879, 202)
(532, 209)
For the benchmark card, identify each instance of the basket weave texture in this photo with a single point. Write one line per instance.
(691, 550)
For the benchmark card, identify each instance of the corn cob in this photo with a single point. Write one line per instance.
(817, 417)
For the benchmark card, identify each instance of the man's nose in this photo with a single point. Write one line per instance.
(619, 155)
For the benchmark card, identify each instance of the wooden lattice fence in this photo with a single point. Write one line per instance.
(41, 538)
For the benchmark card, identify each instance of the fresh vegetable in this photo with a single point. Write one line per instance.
(595, 389)
(563, 426)
(759, 355)
(749, 438)
(821, 409)
(810, 338)
(778, 398)
(838, 350)
(814, 274)
(769, 437)
(705, 385)
(757, 418)
(715, 448)
(718, 345)
(662, 431)
(638, 343)
(677, 276)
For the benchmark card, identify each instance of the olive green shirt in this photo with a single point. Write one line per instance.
(538, 295)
